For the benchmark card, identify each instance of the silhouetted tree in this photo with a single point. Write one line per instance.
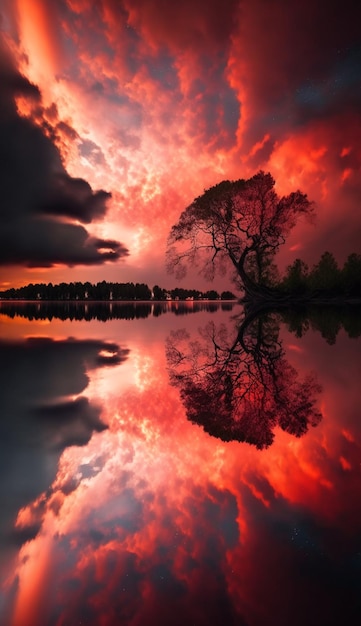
(326, 280)
(296, 278)
(241, 389)
(228, 295)
(159, 293)
(211, 294)
(326, 275)
(351, 275)
(239, 224)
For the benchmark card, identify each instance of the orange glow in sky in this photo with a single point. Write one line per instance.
(154, 105)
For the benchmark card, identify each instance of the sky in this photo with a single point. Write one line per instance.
(115, 115)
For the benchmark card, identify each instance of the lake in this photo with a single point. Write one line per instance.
(170, 464)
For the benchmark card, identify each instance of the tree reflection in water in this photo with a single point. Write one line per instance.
(240, 389)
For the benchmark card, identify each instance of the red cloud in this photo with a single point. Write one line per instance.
(165, 100)
(161, 516)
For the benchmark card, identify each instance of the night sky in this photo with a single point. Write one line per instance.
(114, 115)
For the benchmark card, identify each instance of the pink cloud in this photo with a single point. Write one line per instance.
(165, 100)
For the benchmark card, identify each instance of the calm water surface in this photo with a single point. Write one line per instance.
(161, 468)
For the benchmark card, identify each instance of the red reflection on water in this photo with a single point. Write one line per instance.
(155, 522)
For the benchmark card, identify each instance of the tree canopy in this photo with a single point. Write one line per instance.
(325, 279)
(236, 224)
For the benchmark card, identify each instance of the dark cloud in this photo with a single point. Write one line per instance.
(65, 129)
(37, 195)
(36, 423)
(182, 25)
(69, 423)
(43, 242)
(73, 197)
(298, 62)
(16, 84)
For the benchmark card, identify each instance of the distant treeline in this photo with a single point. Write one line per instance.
(108, 291)
(325, 278)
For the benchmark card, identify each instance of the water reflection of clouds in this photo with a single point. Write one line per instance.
(43, 411)
(154, 522)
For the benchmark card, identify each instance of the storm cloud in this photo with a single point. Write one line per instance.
(41, 205)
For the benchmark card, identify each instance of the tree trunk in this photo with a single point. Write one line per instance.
(255, 292)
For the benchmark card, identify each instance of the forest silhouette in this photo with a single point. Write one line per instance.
(108, 291)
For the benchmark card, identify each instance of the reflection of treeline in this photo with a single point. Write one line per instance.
(325, 278)
(324, 319)
(103, 310)
(107, 291)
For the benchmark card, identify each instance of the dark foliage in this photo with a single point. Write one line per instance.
(236, 225)
(325, 279)
(241, 389)
(106, 291)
